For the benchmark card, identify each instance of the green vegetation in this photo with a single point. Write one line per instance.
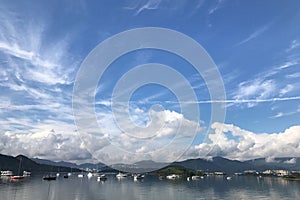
(179, 170)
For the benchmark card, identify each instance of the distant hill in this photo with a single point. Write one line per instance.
(69, 164)
(287, 163)
(216, 164)
(13, 163)
(213, 165)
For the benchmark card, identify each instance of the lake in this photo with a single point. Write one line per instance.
(212, 187)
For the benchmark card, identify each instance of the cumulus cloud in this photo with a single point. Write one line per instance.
(235, 143)
(46, 143)
(291, 161)
(165, 133)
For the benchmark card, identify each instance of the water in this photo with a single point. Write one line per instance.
(150, 188)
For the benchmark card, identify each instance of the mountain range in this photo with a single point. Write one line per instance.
(20, 163)
(214, 164)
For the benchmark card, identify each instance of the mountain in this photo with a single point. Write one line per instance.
(216, 164)
(213, 165)
(13, 164)
(69, 164)
(288, 163)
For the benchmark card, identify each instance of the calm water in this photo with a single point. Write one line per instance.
(34, 188)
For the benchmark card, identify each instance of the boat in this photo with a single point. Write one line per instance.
(6, 173)
(49, 178)
(172, 176)
(101, 178)
(66, 176)
(69, 174)
(121, 175)
(16, 177)
(194, 178)
(80, 175)
(228, 178)
(188, 178)
(26, 173)
(89, 175)
(57, 174)
(138, 177)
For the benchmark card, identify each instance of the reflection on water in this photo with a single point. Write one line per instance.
(241, 187)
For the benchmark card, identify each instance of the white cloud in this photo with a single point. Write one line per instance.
(219, 4)
(140, 6)
(248, 145)
(291, 161)
(255, 34)
(294, 75)
(46, 141)
(257, 89)
(286, 90)
(270, 159)
(294, 44)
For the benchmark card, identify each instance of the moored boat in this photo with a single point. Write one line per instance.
(49, 178)
(102, 177)
(16, 177)
(6, 173)
(121, 175)
(138, 177)
(26, 173)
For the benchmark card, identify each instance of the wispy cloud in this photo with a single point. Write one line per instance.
(255, 34)
(140, 6)
(288, 88)
(219, 4)
(294, 44)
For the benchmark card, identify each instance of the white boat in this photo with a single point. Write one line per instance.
(89, 175)
(194, 178)
(121, 175)
(57, 174)
(138, 177)
(188, 178)
(228, 178)
(80, 175)
(172, 176)
(102, 177)
(6, 173)
(69, 174)
(26, 173)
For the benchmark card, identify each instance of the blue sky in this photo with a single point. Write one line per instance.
(255, 45)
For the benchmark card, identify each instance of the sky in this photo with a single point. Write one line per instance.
(255, 46)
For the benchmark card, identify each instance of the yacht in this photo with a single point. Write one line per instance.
(121, 175)
(26, 173)
(138, 177)
(6, 173)
(102, 177)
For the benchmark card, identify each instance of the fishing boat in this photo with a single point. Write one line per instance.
(49, 178)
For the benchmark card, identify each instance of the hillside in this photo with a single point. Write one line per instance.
(13, 163)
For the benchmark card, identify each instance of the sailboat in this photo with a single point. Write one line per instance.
(18, 177)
